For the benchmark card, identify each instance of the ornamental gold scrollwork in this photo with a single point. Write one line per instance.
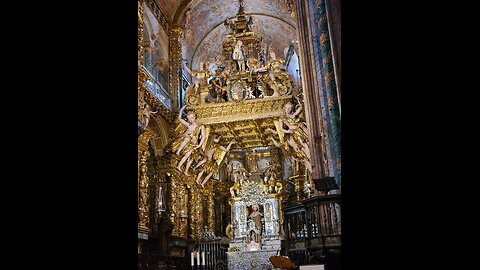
(143, 190)
(175, 52)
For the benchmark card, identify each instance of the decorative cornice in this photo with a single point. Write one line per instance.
(215, 113)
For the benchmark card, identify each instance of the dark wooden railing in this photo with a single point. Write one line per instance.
(312, 227)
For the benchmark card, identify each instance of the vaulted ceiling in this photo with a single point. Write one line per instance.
(204, 29)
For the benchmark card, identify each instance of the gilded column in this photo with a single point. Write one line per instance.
(182, 196)
(195, 212)
(299, 189)
(175, 78)
(281, 231)
(211, 212)
(143, 179)
(141, 75)
(191, 213)
(140, 33)
(172, 206)
(143, 191)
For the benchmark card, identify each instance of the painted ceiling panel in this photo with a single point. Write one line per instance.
(204, 30)
(274, 32)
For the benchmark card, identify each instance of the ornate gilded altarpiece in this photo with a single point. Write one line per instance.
(244, 105)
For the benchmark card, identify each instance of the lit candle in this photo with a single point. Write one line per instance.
(203, 258)
(193, 263)
(198, 258)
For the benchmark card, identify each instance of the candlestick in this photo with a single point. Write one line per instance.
(193, 263)
(203, 258)
(198, 258)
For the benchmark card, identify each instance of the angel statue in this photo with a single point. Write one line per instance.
(293, 135)
(201, 77)
(212, 160)
(191, 137)
(277, 79)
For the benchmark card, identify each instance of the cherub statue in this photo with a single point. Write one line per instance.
(146, 114)
(212, 160)
(189, 142)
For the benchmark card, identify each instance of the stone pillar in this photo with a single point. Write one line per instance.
(175, 53)
(335, 27)
(319, 88)
(324, 60)
(310, 88)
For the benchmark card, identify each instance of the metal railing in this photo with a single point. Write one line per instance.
(214, 254)
(157, 262)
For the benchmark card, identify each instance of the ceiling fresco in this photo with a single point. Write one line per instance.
(263, 26)
(204, 29)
